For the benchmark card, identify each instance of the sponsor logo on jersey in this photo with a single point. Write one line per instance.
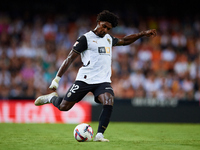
(104, 50)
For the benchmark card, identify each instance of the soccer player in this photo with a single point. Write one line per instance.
(95, 48)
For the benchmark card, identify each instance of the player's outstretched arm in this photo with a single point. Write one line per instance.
(67, 62)
(65, 65)
(133, 37)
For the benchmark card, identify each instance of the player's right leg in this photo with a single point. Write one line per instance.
(53, 98)
(75, 93)
(45, 99)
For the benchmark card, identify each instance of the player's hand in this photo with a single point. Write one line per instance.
(55, 83)
(150, 33)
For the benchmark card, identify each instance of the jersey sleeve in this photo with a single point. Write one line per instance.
(114, 40)
(80, 45)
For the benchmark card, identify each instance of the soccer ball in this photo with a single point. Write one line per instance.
(83, 132)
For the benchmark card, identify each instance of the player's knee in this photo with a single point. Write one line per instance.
(106, 99)
(64, 107)
(109, 101)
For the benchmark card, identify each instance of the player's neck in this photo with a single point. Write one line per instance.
(96, 32)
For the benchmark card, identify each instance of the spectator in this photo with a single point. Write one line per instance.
(145, 53)
(151, 85)
(168, 54)
(181, 65)
(137, 79)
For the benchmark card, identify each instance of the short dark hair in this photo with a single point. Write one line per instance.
(108, 16)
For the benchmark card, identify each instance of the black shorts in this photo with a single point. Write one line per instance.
(79, 89)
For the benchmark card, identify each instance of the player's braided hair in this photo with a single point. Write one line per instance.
(108, 16)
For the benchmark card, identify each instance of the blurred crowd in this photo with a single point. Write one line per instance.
(165, 67)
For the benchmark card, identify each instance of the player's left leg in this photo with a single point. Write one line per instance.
(107, 100)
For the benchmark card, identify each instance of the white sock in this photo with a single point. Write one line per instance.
(50, 97)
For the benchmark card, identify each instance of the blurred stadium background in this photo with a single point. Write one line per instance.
(150, 76)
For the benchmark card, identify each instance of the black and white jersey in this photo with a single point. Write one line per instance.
(96, 55)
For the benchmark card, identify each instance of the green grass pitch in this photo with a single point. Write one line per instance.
(122, 136)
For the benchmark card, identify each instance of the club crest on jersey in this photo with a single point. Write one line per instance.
(104, 50)
(108, 41)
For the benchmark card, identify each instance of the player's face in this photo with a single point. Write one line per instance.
(103, 28)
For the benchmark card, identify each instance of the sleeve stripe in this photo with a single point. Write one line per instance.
(114, 40)
(76, 51)
(80, 45)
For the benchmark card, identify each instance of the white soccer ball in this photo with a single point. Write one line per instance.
(83, 132)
